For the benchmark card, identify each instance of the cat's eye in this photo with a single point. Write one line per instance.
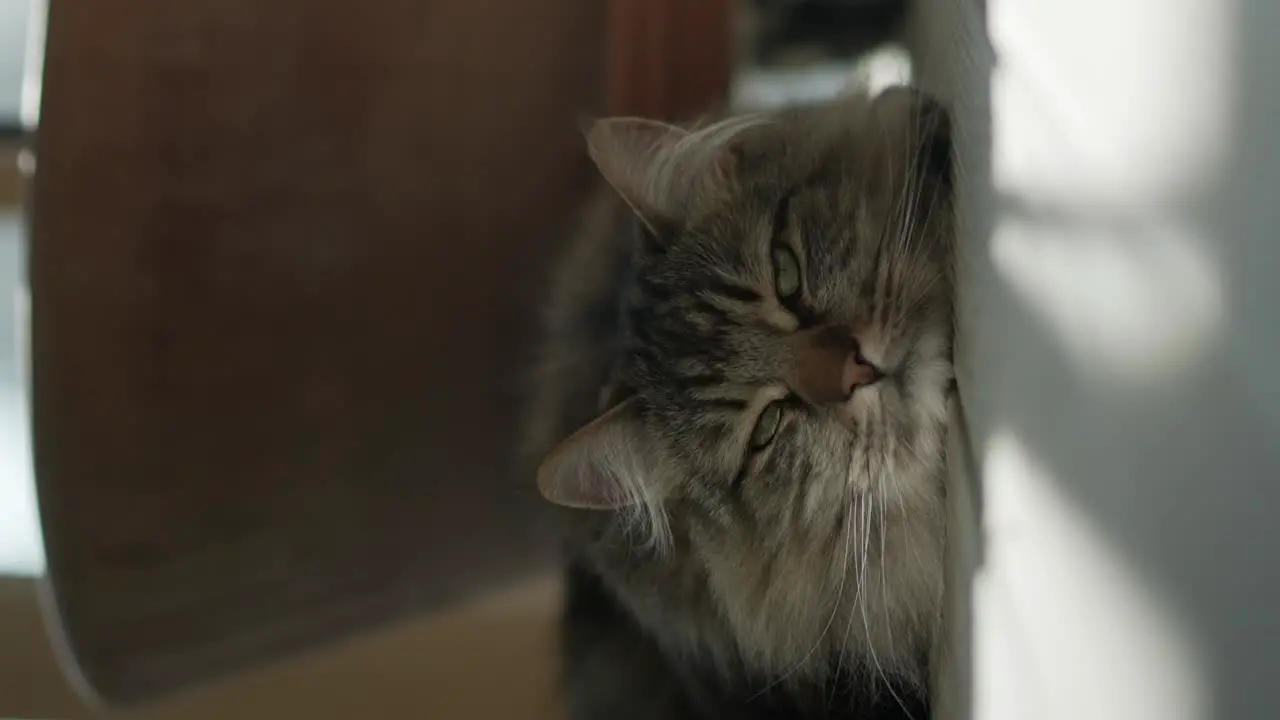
(786, 273)
(766, 426)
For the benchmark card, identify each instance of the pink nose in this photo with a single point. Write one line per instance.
(828, 366)
(858, 372)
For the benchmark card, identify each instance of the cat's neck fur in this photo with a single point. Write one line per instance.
(871, 603)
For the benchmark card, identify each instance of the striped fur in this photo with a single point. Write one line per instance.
(806, 576)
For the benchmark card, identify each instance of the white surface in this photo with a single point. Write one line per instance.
(13, 35)
(758, 88)
(1119, 339)
(764, 88)
(21, 550)
(21, 58)
(33, 61)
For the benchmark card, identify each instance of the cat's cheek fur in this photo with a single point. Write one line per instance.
(819, 569)
(858, 580)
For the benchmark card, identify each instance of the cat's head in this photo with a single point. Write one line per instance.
(789, 341)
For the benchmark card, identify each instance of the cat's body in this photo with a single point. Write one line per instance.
(768, 535)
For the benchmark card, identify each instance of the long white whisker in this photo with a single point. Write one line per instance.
(835, 609)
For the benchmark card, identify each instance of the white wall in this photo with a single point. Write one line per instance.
(13, 34)
(21, 551)
(1121, 339)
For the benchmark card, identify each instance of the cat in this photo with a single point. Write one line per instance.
(741, 398)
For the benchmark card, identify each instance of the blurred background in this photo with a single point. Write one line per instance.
(275, 266)
(269, 272)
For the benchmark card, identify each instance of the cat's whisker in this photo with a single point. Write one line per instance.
(835, 609)
(900, 497)
(921, 288)
(862, 606)
(882, 265)
(907, 242)
(848, 624)
(884, 592)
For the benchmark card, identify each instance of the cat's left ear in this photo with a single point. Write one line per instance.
(612, 462)
(661, 170)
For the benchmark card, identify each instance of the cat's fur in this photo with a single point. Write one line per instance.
(802, 579)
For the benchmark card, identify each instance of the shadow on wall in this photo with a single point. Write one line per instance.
(1120, 332)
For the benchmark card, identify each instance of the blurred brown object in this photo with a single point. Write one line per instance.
(10, 187)
(668, 59)
(282, 263)
(283, 266)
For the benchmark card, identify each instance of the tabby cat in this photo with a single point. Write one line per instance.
(742, 399)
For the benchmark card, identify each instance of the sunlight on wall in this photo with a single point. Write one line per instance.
(21, 550)
(1098, 305)
(1116, 650)
(21, 547)
(1111, 142)
(13, 24)
(1106, 104)
(1136, 306)
(33, 62)
(21, 544)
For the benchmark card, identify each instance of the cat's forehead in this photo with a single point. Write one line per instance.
(731, 241)
(806, 141)
(823, 170)
(703, 287)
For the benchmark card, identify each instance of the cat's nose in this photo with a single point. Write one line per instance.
(858, 372)
(827, 366)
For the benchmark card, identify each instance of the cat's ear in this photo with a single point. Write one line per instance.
(660, 169)
(609, 463)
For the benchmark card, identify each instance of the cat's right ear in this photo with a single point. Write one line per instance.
(659, 169)
(610, 463)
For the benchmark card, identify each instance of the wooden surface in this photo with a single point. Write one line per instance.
(283, 266)
(669, 59)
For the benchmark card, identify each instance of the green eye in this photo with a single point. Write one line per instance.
(786, 273)
(766, 426)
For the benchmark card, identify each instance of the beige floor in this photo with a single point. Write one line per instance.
(492, 658)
